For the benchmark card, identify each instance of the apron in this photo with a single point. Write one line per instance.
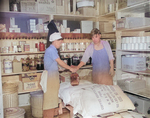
(51, 96)
(101, 67)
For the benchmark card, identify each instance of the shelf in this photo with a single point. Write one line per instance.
(144, 28)
(34, 71)
(21, 53)
(138, 8)
(135, 50)
(146, 72)
(73, 17)
(112, 14)
(46, 16)
(142, 92)
(28, 91)
(10, 35)
(71, 51)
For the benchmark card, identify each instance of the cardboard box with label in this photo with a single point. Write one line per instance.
(31, 81)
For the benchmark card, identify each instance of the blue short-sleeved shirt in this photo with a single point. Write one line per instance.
(51, 54)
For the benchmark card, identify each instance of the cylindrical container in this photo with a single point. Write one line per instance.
(37, 104)
(141, 46)
(143, 39)
(138, 39)
(134, 39)
(132, 46)
(136, 46)
(14, 112)
(10, 95)
(7, 66)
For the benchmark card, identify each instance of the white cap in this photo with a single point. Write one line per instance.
(55, 36)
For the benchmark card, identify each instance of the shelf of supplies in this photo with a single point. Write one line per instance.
(21, 53)
(73, 17)
(138, 8)
(142, 92)
(135, 50)
(146, 72)
(23, 14)
(112, 14)
(34, 71)
(28, 91)
(71, 51)
(144, 28)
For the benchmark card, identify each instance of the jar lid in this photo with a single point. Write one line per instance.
(13, 111)
(37, 93)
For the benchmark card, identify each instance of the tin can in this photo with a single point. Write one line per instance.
(7, 66)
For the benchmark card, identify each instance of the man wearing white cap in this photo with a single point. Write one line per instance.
(51, 61)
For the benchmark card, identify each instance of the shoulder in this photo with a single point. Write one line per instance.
(104, 42)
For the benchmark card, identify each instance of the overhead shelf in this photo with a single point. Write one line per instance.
(34, 71)
(144, 28)
(21, 53)
(135, 50)
(138, 8)
(147, 72)
(112, 14)
(73, 17)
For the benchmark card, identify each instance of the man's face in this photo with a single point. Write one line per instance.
(96, 38)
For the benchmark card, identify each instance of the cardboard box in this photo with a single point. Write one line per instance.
(60, 7)
(28, 6)
(106, 27)
(4, 5)
(87, 11)
(86, 26)
(132, 84)
(124, 3)
(17, 66)
(133, 64)
(132, 22)
(11, 79)
(31, 81)
(46, 7)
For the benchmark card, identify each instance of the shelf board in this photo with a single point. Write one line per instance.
(34, 71)
(21, 53)
(71, 51)
(138, 8)
(142, 92)
(135, 50)
(146, 72)
(112, 14)
(144, 28)
(73, 17)
(28, 91)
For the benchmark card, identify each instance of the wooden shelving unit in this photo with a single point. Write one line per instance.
(21, 53)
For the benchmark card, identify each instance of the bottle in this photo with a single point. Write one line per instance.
(19, 48)
(68, 60)
(75, 60)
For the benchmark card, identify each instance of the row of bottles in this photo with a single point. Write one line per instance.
(74, 60)
(22, 46)
(25, 64)
(75, 44)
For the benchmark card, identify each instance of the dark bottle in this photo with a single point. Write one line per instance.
(75, 60)
(39, 64)
(68, 60)
(89, 61)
